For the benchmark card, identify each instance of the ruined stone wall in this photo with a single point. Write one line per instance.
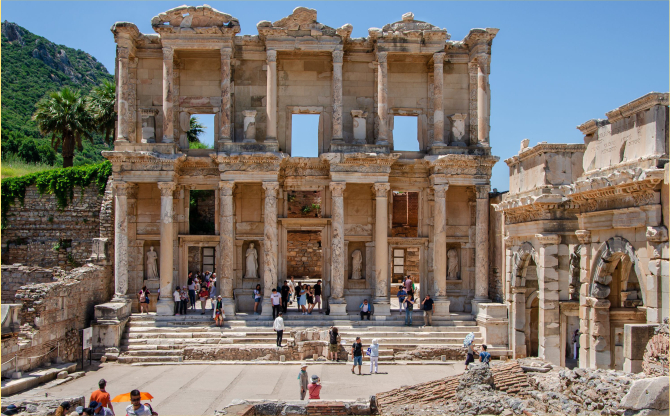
(304, 204)
(15, 276)
(304, 254)
(39, 233)
(53, 314)
(249, 79)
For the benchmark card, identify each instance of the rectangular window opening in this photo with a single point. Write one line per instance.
(405, 216)
(201, 214)
(305, 135)
(406, 133)
(202, 131)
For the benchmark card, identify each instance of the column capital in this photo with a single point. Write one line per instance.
(167, 188)
(441, 190)
(438, 58)
(483, 60)
(482, 191)
(548, 239)
(338, 57)
(226, 187)
(271, 188)
(381, 57)
(337, 188)
(584, 236)
(123, 188)
(272, 55)
(168, 53)
(381, 189)
(123, 53)
(226, 53)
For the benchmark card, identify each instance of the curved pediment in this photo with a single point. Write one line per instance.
(194, 18)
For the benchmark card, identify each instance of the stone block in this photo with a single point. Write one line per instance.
(649, 393)
(635, 338)
(632, 366)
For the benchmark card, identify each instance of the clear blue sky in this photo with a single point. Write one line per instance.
(554, 64)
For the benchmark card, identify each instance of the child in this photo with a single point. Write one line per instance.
(315, 388)
(401, 296)
(484, 357)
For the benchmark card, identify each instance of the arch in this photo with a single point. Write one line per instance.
(522, 257)
(608, 256)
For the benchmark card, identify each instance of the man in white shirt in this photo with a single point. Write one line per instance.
(278, 326)
(137, 408)
(276, 303)
(177, 301)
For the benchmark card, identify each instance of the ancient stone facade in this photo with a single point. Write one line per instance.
(196, 64)
(586, 236)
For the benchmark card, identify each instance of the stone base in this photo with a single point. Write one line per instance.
(266, 308)
(475, 305)
(632, 366)
(359, 148)
(165, 307)
(382, 309)
(110, 322)
(228, 308)
(338, 309)
(441, 307)
(262, 147)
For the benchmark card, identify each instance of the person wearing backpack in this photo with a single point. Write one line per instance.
(409, 307)
(334, 343)
(484, 356)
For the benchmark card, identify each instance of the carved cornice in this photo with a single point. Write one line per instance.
(479, 36)
(584, 236)
(301, 23)
(360, 162)
(149, 112)
(409, 30)
(548, 239)
(657, 234)
(453, 164)
(643, 103)
(538, 211)
(542, 148)
(142, 161)
(198, 20)
(255, 162)
(592, 126)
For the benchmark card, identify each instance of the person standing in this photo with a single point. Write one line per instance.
(298, 289)
(191, 289)
(302, 299)
(177, 300)
(278, 326)
(97, 409)
(317, 295)
(276, 303)
(310, 300)
(357, 353)
(470, 356)
(258, 295)
(409, 307)
(204, 295)
(218, 311)
(484, 356)
(333, 343)
(102, 396)
(575, 345)
(401, 297)
(427, 306)
(142, 299)
(315, 388)
(373, 352)
(408, 284)
(285, 294)
(183, 297)
(212, 287)
(136, 408)
(303, 380)
(291, 286)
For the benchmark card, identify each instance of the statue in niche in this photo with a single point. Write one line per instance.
(252, 262)
(452, 264)
(152, 264)
(356, 265)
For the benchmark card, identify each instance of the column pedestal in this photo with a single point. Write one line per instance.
(338, 307)
(266, 308)
(475, 304)
(441, 306)
(382, 308)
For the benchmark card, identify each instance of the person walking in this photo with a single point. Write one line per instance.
(315, 388)
(409, 307)
(183, 300)
(298, 289)
(302, 300)
(303, 380)
(317, 295)
(212, 287)
(427, 306)
(485, 356)
(285, 294)
(278, 327)
(143, 297)
(366, 309)
(218, 311)
(357, 353)
(310, 300)
(177, 300)
(204, 295)
(333, 343)
(575, 344)
(470, 355)
(102, 396)
(373, 352)
(97, 409)
(276, 303)
(191, 289)
(136, 408)
(258, 295)
(401, 297)
(291, 286)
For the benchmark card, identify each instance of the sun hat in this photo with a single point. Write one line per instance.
(303, 365)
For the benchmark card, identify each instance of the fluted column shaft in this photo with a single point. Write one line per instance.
(270, 242)
(165, 302)
(338, 255)
(337, 95)
(226, 240)
(225, 117)
(123, 55)
(381, 241)
(271, 107)
(482, 101)
(482, 243)
(382, 98)
(168, 95)
(440, 240)
(121, 241)
(438, 98)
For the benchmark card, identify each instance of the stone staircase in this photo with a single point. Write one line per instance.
(152, 339)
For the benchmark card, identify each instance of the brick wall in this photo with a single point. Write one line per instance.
(15, 276)
(40, 234)
(304, 254)
(52, 316)
(299, 200)
(405, 214)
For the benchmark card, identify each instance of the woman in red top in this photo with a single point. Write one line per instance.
(204, 295)
(314, 388)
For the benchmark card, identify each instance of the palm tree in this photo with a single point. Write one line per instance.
(63, 115)
(195, 130)
(100, 105)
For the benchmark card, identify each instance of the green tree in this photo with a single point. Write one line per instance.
(100, 105)
(195, 130)
(63, 115)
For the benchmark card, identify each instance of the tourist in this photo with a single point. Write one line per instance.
(292, 287)
(207, 275)
(484, 356)
(303, 378)
(357, 353)
(204, 294)
(62, 409)
(102, 396)
(302, 298)
(409, 307)
(310, 300)
(314, 388)
(98, 409)
(177, 301)
(575, 345)
(278, 327)
(142, 300)
(276, 303)
(373, 352)
(333, 344)
(408, 284)
(285, 295)
(218, 312)
(366, 309)
(470, 357)
(212, 287)
(11, 410)
(427, 306)
(317, 295)
(257, 298)
(183, 297)
(136, 408)
(401, 296)
(191, 289)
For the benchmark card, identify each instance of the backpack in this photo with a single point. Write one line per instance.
(142, 297)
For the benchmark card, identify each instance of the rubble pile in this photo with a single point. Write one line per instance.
(655, 360)
(44, 406)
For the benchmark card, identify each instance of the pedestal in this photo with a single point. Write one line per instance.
(266, 308)
(229, 308)
(339, 308)
(165, 307)
(475, 305)
(441, 307)
(382, 309)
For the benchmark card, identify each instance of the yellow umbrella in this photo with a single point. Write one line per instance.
(125, 397)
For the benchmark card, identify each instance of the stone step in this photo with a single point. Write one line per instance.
(265, 325)
(154, 353)
(152, 359)
(254, 341)
(364, 334)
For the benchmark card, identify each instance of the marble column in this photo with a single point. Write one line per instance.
(438, 99)
(165, 304)
(584, 237)
(121, 242)
(271, 107)
(225, 268)
(481, 248)
(168, 94)
(549, 317)
(382, 98)
(225, 116)
(337, 96)
(269, 246)
(518, 322)
(123, 86)
(482, 101)
(439, 289)
(337, 301)
(381, 300)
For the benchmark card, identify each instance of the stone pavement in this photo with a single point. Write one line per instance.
(201, 389)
